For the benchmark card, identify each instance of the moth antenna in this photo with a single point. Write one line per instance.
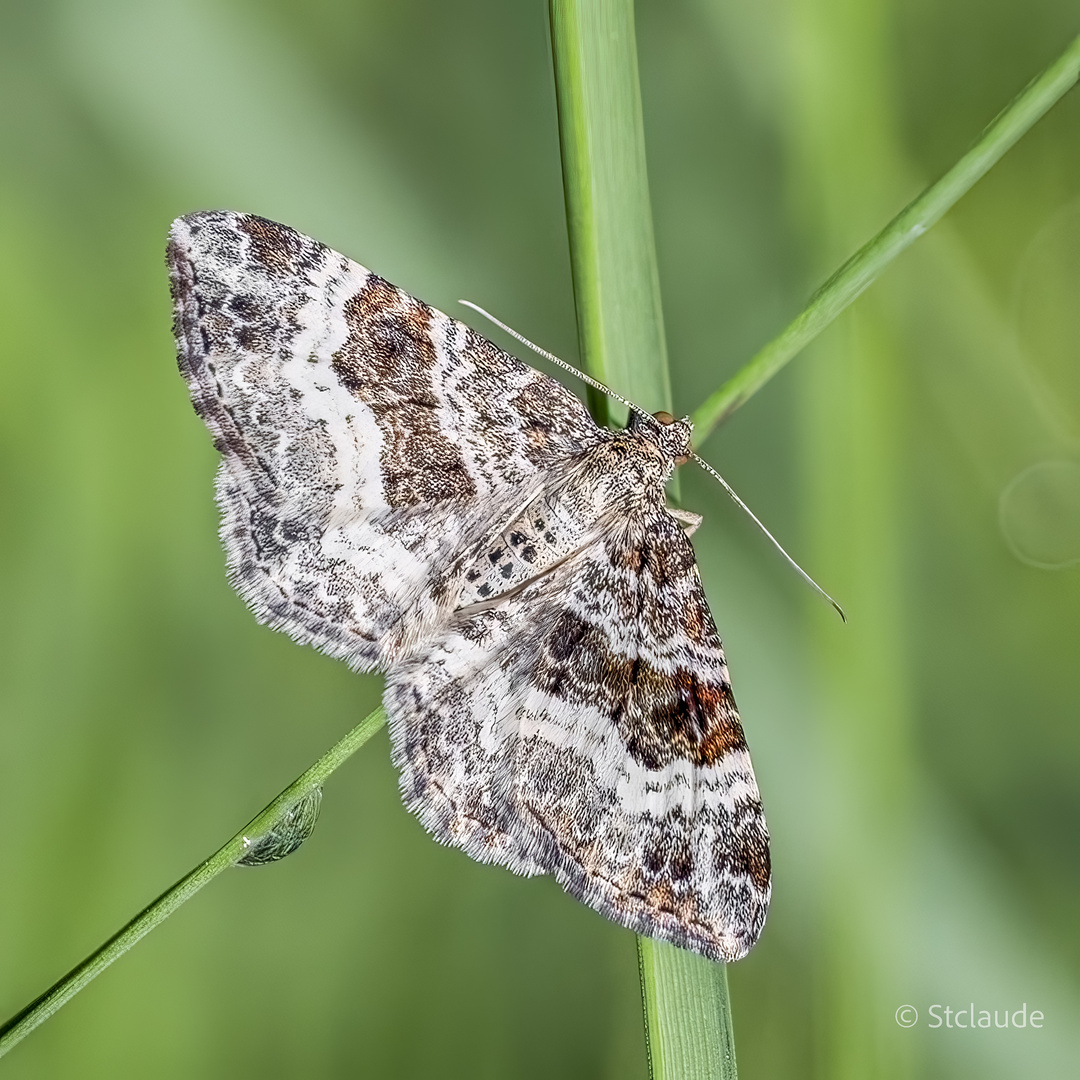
(555, 360)
(776, 543)
(588, 379)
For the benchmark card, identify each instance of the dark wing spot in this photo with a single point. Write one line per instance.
(276, 248)
(388, 361)
(695, 719)
(247, 307)
(749, 852)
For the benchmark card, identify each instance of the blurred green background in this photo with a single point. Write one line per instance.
(920, 766)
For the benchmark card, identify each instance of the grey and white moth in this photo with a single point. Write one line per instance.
(401, 494)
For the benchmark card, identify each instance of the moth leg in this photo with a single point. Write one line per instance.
(687, 518)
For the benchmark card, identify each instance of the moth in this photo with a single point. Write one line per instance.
(403, 495)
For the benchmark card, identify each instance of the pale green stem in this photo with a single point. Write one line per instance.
(621, 335)
(39, 1010)
(868, 262)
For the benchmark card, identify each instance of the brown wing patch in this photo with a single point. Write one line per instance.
(750, 856)
(681, 715)
(277, 249)
(388, 362)
(660, 715)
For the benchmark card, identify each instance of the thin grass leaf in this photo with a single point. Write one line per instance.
(863, 268)
(60, 993)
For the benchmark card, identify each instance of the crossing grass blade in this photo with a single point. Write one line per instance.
(864, 267)
(61, 992)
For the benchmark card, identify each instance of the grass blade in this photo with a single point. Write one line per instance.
(60, 993)
(621, 335)
(861, 270)
(609, 220)
(685, 1042)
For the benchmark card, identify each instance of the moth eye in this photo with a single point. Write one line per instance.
(664, 417)
(287, 834)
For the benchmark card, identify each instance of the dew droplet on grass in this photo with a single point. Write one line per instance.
(288, 833)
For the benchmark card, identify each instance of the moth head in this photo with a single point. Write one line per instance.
(671, 436)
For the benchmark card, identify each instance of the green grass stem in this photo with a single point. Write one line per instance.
(863, 268)
(61, 992)
(688, 1024)
(609, 219)
(621, 335)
